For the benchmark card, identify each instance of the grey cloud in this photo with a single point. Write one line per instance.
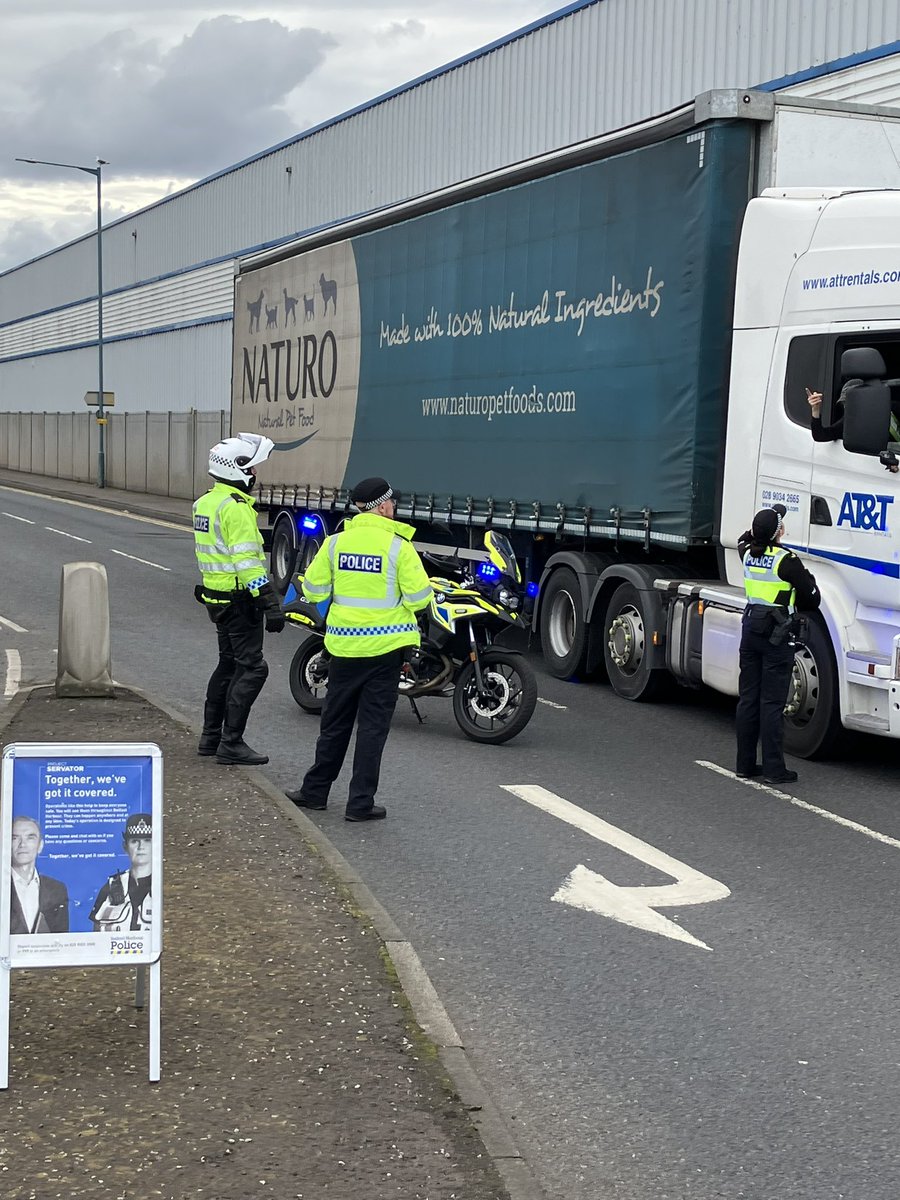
(186, 111)
(398, 30)
(29, 237)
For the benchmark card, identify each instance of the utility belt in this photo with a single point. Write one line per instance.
(217, 602)
(775, 623)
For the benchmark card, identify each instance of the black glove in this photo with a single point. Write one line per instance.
(271, 606)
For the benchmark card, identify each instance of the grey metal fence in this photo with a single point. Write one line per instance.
(161, 453)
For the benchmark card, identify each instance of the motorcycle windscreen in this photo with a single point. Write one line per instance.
(500, 552)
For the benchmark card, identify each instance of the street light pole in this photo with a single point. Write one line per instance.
(97, 172)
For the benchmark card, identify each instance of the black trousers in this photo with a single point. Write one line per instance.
(241, 670)
(361, 691)
(763, 688)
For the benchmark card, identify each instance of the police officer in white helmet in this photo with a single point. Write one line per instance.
(237, 593)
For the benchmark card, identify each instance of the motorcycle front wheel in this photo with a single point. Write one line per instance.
(507, 704)
(308, 675)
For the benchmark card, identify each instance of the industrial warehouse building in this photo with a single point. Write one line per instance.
(590, 68)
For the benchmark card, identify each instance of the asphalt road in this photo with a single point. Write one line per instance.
(748, 1045)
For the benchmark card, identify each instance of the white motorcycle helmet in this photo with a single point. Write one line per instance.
(231, 459)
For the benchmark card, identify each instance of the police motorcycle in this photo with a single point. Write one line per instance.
(494, 690)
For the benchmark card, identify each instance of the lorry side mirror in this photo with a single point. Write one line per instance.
(867, 418)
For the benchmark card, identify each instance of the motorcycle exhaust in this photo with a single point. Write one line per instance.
(430, 685)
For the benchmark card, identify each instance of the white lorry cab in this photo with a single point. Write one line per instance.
(819, 276)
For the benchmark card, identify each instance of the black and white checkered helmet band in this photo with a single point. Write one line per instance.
(370, 504)
(233, 457)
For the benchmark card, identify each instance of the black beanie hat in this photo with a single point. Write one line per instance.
(766, 522)
(369, 493)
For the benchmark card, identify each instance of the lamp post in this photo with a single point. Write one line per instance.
(101, 420)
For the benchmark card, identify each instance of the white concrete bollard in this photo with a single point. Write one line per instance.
(84, 667)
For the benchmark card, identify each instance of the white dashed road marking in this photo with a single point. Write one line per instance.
(5, 621)
(819, 812)
(100, 508)
(13, 517)
(62, 533)
(553, 704)
(13, 672)
(145, 561)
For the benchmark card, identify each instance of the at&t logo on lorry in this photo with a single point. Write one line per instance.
(864, 511)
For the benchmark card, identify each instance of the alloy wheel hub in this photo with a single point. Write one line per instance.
(626, 640)
(496, 695)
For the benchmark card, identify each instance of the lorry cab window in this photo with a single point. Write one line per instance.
(808, 359)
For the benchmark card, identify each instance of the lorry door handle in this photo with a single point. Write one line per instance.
(820, 513)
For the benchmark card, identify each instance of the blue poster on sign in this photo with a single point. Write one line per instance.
(81, 854)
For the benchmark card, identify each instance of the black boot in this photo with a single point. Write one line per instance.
(209, 742)
(234, 751)
(212, 731)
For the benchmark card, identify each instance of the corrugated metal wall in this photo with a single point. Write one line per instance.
(605, 65)
(171, 372)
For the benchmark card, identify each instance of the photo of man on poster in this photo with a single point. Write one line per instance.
(123, 903)
(39, 904)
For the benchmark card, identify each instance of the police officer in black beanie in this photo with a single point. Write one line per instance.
(376, 584)
(777, 584)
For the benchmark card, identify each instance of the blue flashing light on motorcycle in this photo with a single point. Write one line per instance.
(487, 572)
(310, 524)
(531, 591)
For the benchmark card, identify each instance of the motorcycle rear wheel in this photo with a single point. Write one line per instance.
(510, 702)
(303, 676)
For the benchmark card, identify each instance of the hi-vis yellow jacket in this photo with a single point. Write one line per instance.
(376, 584)
(227, 541)
(763, 584)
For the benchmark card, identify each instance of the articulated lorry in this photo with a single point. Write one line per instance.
(604, 352)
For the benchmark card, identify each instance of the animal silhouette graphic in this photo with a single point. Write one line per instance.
(329, 291)
(254, 307)
(290, 307)
(272, 317)
(309, 307)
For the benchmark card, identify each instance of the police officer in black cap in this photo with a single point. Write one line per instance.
(376, 584)
(777, 585)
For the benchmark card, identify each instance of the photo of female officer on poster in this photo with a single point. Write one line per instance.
(123, 903)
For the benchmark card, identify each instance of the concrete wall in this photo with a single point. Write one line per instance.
(161, 453)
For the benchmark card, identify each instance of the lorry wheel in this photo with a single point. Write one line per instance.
(625, 651)
(508, 701)
(283, 555)
(308, 675)
(563, 627)
(310, 545)
(812, 719)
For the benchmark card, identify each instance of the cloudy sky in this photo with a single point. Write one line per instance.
(169, 92)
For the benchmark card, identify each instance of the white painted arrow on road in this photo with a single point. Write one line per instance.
(634, 906)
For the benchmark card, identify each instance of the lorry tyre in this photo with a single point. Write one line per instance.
(308, 675)
(310, 545)
(812, 719)
(507, 704)
(564, 630)
(625, 652)
(283, 554)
